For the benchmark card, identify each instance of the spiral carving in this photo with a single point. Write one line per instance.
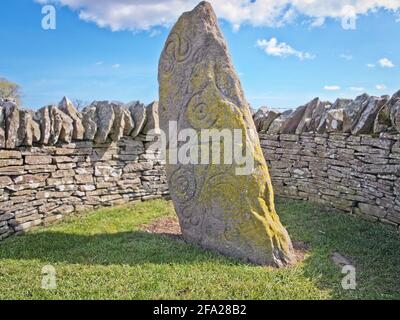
(183, 184)
(177, 50)
(199, 114)
(179, 47)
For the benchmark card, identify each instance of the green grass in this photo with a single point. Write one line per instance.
(105, 255)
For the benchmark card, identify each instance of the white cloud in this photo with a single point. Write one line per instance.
(318, 22)
(347, 57)
(386, 63)
(145, 14)
(381, 87)
(370, 65)
(154, 33)
(116, 66)
(99, 63)
(358, 89)
(332, 88)
(281, 49)
(236, 27)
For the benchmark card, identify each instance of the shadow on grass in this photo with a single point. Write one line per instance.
(373, 249)
(128, 248)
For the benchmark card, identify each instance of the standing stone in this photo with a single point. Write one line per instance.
(68, 108)
(217, 209)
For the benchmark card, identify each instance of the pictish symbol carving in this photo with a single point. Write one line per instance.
(184, 184)
(199, 114)
(200, 90)
(167, 65)
(231, 233)
(179, 47)
(177, 50)
(192, 218)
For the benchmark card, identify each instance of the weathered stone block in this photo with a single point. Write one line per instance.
(40, 159)
(209, 200)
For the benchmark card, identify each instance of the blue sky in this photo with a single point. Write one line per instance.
(282, 64)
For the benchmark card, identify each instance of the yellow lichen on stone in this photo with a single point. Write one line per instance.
(217, 208)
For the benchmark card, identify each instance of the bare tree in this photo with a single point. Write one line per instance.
(80, 104)
(10, 90)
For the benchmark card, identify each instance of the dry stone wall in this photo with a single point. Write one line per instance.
(59, 171)
(345, 155)
(56, 161)
(356, 174)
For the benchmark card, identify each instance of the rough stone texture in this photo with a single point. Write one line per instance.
(43, 185)
(355, 174)
(11, 114)
(278, 124)
(28, 130)
(334, 120)
(292, 122)
(152, 120)
(105, 120)
(318, 116)
(395, 114)
(199, 89)
(41, 182)
(42, 116)
(123, 123)
(305, 122)
(2, 126)
(339, 104)
(368, 114)
(353, 111)
(263, 118)
(89, 122)
(68, 108)
(61, 126)
(138, 112)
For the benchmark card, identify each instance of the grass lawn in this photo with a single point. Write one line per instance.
(107, 255)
